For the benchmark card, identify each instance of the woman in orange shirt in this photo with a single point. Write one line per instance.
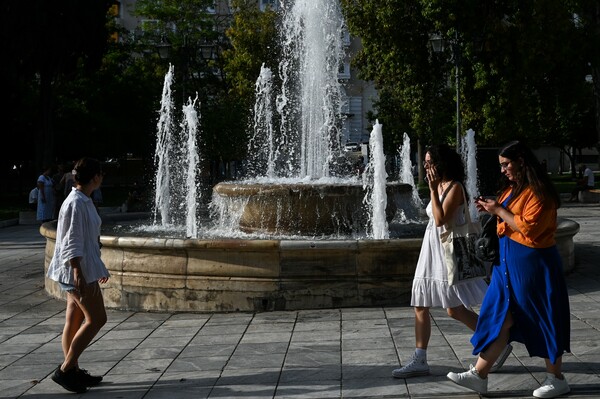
(527, 299)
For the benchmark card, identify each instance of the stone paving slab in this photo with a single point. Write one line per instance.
(329, 353)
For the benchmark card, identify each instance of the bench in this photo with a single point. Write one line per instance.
(589, 196)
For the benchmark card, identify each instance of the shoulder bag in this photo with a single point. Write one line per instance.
(458, 242)
(487, 247)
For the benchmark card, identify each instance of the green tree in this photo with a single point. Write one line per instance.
(253, 41)
(253, 38)
(197, 43)
(521, 71)
(189, 34)
(395, 55)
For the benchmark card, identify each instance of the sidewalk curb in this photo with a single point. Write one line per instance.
(9, 222)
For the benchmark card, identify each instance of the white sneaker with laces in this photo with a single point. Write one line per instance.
(469, 379)
(414, 368)
(552, 387)
(502, 358)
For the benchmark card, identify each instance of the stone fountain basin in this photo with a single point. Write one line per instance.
(305, 209)
(162, 274)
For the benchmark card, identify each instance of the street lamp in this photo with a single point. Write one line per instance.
(164, 50)
(206, 51)
(438, 45)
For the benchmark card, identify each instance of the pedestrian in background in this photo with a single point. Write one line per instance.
(527, 299)
(46, 199)
(76, 266)
(585, 183)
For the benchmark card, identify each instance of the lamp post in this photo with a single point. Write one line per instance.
(438, 46)
(164, 50)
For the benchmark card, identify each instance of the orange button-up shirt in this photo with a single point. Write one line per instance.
(535, 219)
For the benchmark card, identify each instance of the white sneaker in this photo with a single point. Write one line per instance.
(415, 367)
(552, 387)
(469, 379)
(502, 358)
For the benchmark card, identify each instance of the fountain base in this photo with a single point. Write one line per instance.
(250, 275)
(300, 209)
(164, 274)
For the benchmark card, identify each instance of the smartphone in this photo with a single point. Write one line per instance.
(479, 198)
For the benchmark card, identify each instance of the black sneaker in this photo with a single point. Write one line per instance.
(87, 379)
(68, 380)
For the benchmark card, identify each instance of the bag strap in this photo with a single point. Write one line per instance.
(465, 204)
(446, 191)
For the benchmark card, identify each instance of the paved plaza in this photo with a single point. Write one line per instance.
(330, 353)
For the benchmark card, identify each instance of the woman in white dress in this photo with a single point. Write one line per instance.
(445, 176)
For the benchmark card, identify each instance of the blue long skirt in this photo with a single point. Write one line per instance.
(528, 282)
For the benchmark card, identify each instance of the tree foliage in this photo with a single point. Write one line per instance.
(522, 72)
(190, 37)
(196, 42)
(253, 38)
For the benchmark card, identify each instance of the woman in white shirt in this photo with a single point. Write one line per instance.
(76, 266)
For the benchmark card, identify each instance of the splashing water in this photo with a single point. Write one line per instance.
(176, 164)
(406, 171)
(378, 195)
(190, 128)
(262, 147)
(469, 155)
(161, 156)
(296, 142)
(309, 103)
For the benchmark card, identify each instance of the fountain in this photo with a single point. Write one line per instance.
(299, 186)
(412, 212)
(469, 152)
(296, 234)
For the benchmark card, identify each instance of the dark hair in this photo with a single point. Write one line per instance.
(530, 174)
(85, 169)
(447, 162)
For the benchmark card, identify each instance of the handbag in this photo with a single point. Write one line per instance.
(487, 246)
(458, 242)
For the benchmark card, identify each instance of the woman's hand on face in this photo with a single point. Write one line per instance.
(433, 178)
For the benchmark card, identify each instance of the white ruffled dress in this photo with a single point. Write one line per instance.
(430, 285)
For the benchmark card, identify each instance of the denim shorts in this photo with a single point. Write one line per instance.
(91, 289)
(66, 287)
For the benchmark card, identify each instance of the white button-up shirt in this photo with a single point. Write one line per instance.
(77, 235)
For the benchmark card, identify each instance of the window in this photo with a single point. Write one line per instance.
(268, 3)
(344, 70)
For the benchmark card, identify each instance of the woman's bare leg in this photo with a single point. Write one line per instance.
(73, 319)
(422, 327)
(555, 369)
(92, 306)
(464, 315)
(486, 359)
